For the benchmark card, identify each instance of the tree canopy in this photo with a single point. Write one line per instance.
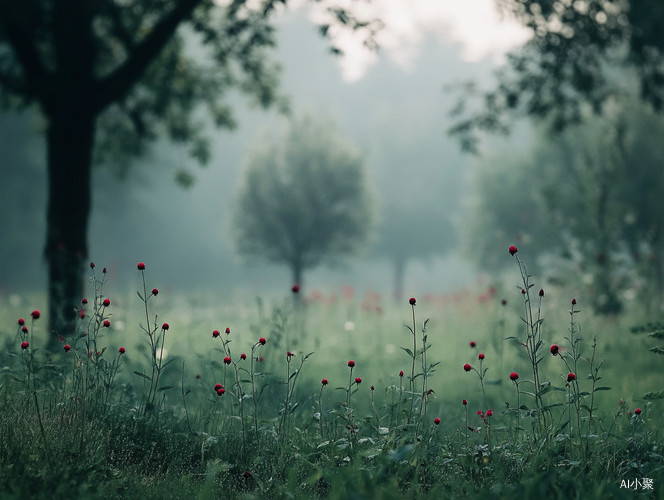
(303, 201)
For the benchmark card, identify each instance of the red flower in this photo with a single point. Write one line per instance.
(84, 301)
(107, 323)
(541, 292)
(513, 250)
(436, 421)
(554, 349)
(401, 373)
(165, 326)
(573, 302)
(24, 345)
(295, 289)
(358, 380)
(35, 314)
(21, 322)
(92, 265)
(638, 411)
(464, 402)
(215, 333)
(571, 377)
(67, 347)
(504, 302)
(289, 354)
(155, 291)
(243, 356)
(324, 381)
(261, 359)
(523, 291)
(227, 360)
(198, 376)
(412, 301)
(82, 314)
(480, 356)
(514, 376)
(228, 331)
(122, 350)
(467, 367)
(217, 387)
(221, 391)
(372, 388)
(489, 412)
(262, 341)
(61, 338)
(473, 344)
(107, 302)
(351, 363)
(24, 329)
(103, 270)
(141, 266)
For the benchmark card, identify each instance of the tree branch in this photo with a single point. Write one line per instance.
(118, 83)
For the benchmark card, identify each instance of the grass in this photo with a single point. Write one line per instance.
(147, 423)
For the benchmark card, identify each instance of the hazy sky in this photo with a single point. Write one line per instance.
(475, 24)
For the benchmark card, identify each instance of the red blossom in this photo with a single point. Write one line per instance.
(107, 302)
(227, 360)
(638, 411)
(21, 322)
(473, 344)
(24, 345)
(289, 355)
(122, 350)
(573, 302)
(262, 341)
(221, 391)
(165, 326)
(523, 291)
(401, 373)
(571, 377)
(35, 314)
(24, 329)
(514, 376)
(480, 356)
(541, 292)
(243, 356)
(228, 331)
(358, 380)
(489, 412)
(155, 291)
(92, 265)
(351, 363)
(372, 388)
(513, 249)
(140, 266)
(107, 323)
(412, 301)
(82, 314)
(324, 381)
(215, 333)
(103, 270)
(504, 302)
(84, 301)
(67, 347)
(554, 349)
(61, 338)
(295, 288)
(436, 421)
(467, 367)
(217, 387)
(261, 359)
(464, 402)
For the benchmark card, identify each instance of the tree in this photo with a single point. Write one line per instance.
(303, 201)
(112, 74)
(582, 55)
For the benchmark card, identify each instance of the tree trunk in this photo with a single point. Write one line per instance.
(69, 157)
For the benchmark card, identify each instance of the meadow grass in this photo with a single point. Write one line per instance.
(93, 422)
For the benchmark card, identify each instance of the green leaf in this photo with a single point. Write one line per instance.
(649, 396)
(602, 389)
(657, 350)
(165, 388)
(657, 334)
(410, 353)
(142, 375)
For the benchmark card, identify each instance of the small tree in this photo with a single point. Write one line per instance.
(303, 201)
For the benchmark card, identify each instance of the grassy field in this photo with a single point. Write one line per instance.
(369, 414)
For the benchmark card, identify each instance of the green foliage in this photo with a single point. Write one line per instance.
(303, 201)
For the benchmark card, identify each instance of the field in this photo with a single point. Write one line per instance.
(333, 395)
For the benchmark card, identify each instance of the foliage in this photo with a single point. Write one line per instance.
(303, 201)
(581, 55)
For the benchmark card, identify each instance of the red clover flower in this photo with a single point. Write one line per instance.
(227, 360)
(351, 363)
(554, 349)
(467, 367)
(107, 302)
(155, 291)
(122, 350)
(21, 322)
(35, 314)
(514, 376)
(412, 301)
(140, 266)
(637, 411)
(243, 356)
(215, 333)
(513, 250)
(358, 380)
(324, 381)
(165, 326)
(107, 323)
(262, 341)
(436, 421)
(571, 377)
(295, 288)
(24, 345)
(480, 356)
(67, 347)
(228, 331)
(473, 344)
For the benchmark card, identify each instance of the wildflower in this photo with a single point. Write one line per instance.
(261, 359)
(217, 387)
(21, 322)
(155, 291)
(165, 326)
(573, 302)
(541, 292)
(358, 380)
(228, 331)
(504, 302)
(61, 338)
(221, 391)
(24, 345)
(122, 350)
(35, 314)
(227, 360)
(372, 388)
(513, 250)
(215, 333)
(92, 265)
(473, 344)
(514, 376)
(480, 356)
(489, 412)
(141, 266)
(289, 354)
(67, 347)
(412, 301)
(84, 301)
(637, 411)
(324, 381)
(243, 356)
(262, 341)
(24, 329)
(107, 323)
(82, 314)
(401, 373)
(464, 402)
(436, 421)
(351, 363)
(103, 271)
(621, 402)
(295, 289)
(107, 302)
(571, 377)
(554, 349)
(523, 291)
(467, 367)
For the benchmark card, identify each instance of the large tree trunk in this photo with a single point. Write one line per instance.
(69, 156)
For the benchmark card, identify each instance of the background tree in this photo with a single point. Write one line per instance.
(105, 72)
(582, 54)
(590, 200)
(303, 201)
